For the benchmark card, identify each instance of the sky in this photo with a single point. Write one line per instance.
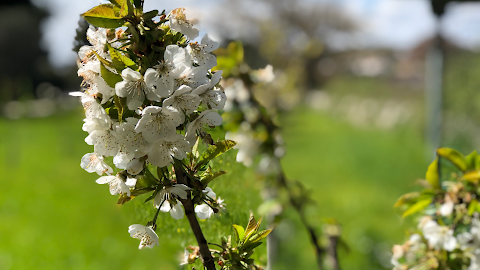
(398, 24)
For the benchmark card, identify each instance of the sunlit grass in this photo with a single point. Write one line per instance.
(54, 215)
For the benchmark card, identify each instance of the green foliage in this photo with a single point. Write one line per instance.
(238, 256)
(432, 174)
(120, 61)
(110, 78)
(103, 16)
(214, 151)
(229, 59)
(469, 172)
(453, 156)
(418, 206)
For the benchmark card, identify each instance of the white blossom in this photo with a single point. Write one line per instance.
(135, 166)
(103, 88)
(202, 53)
(206, 118)
(132, 87)
(92, 108)
(91, 162)
(183, 101)
(162, 152)
(212, 97)
(446, 209)
(102, 136)
(178, 22)
(174, 191)
(166, 199)
(98, 39)
(158, 123)
(131, 143)
(185, 258)
(161, 78)
(247, 143)
(192, 76)
(148, 238)
(117, 185)
(439, 236)
(174, 207)
(204, 211)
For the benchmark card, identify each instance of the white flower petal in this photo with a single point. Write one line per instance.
(177, 211)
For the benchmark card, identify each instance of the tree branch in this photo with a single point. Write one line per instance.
(188, 205)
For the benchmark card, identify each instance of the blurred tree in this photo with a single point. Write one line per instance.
(292, 35)
(28, 65)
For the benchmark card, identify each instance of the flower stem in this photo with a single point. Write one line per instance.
(188, 205)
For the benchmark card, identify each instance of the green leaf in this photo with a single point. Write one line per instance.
(117, 3)
(259, 236)
(207, 179)
(252, 227)
(239, 232)
(103, 60)
(153, 195)
(123, 198)
(472, 176)
(473, 207)
(214, 151)
(250, 246)
(138, 4)
(150, 15)
(453, 156)
(126, 8)
(103, 16)
(472, 161)
(118, 105)
(110, 78)
(406, 198)
(432, 174)
(418, 206)
(120, 61)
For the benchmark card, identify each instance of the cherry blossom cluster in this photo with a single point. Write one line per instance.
(250, 135)
(147, 106)
(448, 233)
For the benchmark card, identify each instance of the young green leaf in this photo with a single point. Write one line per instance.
(239, 232)
(432, 174)
(472, 176)
(406, 198)
(126, 8)
(453, 156)
(214, 151)
(418, 206)
(117, 3)
(110, 78)
(120, 61)
(208, 178)
(259, 236)
(103, 16)
(252, 228)
(472, 161)
(119, 106)
(473, 207)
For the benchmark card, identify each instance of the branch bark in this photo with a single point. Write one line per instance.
(188, 205)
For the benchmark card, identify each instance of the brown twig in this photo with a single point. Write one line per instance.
(332, 251)
(271, 128)
(208, 261)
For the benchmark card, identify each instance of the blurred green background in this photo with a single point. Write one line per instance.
(354, 136)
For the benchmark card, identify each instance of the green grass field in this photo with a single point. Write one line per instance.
(54, 216)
